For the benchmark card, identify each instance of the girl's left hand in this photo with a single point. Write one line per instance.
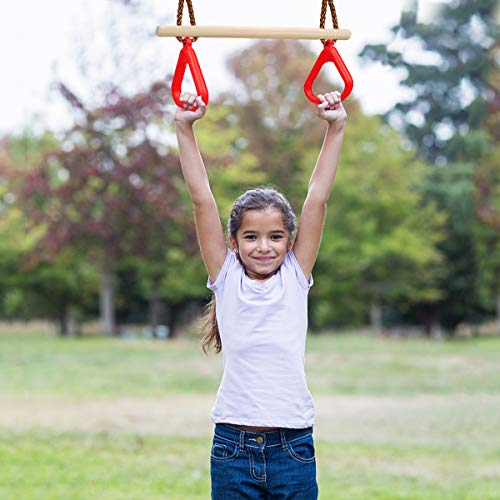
(186, 114)
(331, 108)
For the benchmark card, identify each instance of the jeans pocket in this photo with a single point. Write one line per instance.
(223, 450)
(302, 449)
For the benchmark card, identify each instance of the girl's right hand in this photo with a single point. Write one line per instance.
(331, 108)
(186, 114)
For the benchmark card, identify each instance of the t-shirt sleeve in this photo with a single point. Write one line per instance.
(304, 282)
(218, 284)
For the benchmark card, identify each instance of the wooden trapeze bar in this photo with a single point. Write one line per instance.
(298, 33)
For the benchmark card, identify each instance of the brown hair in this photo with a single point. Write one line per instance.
(260, 199)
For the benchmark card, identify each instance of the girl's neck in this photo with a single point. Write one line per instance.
(261, 278)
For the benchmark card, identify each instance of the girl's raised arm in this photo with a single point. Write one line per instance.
(308, 238)
(208, 224)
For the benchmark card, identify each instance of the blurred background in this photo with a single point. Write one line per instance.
(101, 281)
(94, 218)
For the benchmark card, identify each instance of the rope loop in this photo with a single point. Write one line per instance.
(192, 20)
(324, 5)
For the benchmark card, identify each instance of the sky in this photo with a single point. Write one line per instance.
(41, 42)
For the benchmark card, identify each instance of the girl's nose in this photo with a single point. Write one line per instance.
(263, 244)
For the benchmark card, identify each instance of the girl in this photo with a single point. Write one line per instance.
(263, 415)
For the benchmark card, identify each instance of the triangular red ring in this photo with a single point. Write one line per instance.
(328, 54)
(187, 57)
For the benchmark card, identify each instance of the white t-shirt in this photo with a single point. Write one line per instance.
(263, 329)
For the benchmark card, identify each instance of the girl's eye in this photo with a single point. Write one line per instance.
(250, 237)
(276, 237)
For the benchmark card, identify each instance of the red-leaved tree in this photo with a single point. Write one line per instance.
(111, 189)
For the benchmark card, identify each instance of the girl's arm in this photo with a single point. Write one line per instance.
(314, 210)
(208, 224)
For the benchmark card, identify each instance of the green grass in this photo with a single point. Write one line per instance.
(103, 367)
(51, 465)
(342, 364)
(349, 364)
(450, 452)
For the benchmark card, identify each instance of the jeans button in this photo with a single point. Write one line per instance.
(260, 440)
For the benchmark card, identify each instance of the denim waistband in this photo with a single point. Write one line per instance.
(260, 439)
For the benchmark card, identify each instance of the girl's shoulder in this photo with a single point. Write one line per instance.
(292, 263)
(231, 263)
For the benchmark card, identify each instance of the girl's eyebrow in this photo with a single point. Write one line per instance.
(272, 231)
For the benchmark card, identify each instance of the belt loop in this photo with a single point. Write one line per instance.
(283, 439)
(242, 440)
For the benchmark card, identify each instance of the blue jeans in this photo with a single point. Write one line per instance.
(263, 465)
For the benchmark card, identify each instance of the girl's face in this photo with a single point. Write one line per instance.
(261, 242)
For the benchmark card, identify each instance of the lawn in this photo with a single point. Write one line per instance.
(341, 364)
(416, 419)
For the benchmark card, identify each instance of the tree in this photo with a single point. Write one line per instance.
(110, 190)
(486, 197)
(379, 242)
(231, 168)
(445, 115)
(275, 118)
(446, 67)
(379, 247)
(11, 225)
(49, 290)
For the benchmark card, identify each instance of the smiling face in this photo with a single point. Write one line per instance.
(262, 242)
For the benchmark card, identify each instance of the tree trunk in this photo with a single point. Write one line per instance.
(498, 313)
(67, 324)
(172, 316)
(154, 306)
(108, 324)
(376, 317)
(436, 332)
(64, 322)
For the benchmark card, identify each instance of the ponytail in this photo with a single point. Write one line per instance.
(210, 329)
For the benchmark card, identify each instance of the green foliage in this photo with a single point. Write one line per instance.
(28, 148)
(276, 121)
(185, 277)
(450, 88)
(52, 290)
(379, 243)
(232, 165)
(449, 65)
(388, 215)
(28, 289)
(486, 197)
(487, 234)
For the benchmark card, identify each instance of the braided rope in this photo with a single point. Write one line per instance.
(322, 18)
(192, 20)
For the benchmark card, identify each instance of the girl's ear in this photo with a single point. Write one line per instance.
(291, 241)
(233, 244)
